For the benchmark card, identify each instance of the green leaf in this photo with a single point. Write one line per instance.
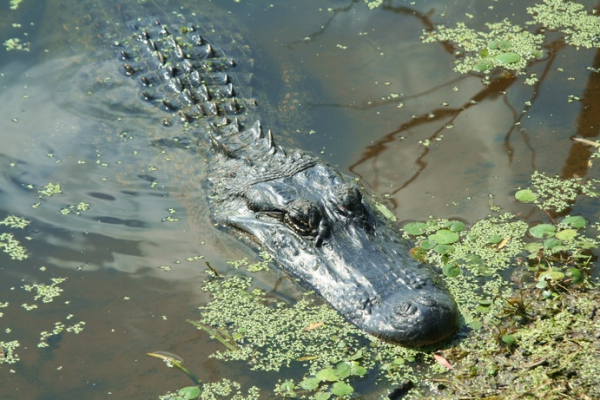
(509, 339)
(533, 247)
(341, 389)
(482, 66)
(342, 370)
(455, 226)
(418, 253)
(552, 275)
(443, 249)
(484, 53)
(575, 274)
(500, 44)
(576, 221)
(287, 387)
(399, 361)
(504, 44)
(415, 228)
(357, 369)
(189, 392)
(541, 284)
(567, 234)
(495, 239)
(356, 356)
(484, 306)
(552, 244)
(586, 244)
(508, 58)
(451, 270)
(542, 231)
(327, 374)
(322, 395)
(526, 196)
(309, 383)
(385, 211)
(475, 324)
(427, 244)
(444, 236)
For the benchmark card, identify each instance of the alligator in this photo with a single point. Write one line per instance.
(319, 224)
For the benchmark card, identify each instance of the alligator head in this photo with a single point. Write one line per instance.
(322, 229)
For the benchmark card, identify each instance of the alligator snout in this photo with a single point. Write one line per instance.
(417, 319)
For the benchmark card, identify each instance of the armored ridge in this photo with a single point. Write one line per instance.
(315, 221)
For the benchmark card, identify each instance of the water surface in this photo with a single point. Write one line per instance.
(354, 85)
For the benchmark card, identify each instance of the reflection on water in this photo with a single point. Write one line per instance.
(384, 107)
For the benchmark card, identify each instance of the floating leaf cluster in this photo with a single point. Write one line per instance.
(511, 46)
(555, 194)
(8, 243)
(271, 335)
(581, 28)
(503, 45)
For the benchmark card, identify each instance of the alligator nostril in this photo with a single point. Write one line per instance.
(405, 309)
(427, 301)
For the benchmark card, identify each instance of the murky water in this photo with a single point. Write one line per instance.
(354, 85)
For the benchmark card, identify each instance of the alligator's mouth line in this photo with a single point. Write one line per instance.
(315, 221)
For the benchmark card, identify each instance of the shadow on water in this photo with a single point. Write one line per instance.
(356, 86)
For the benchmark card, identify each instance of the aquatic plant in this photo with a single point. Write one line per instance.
(516, 330)
(510, 46)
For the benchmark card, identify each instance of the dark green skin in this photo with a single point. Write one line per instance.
(316, 222)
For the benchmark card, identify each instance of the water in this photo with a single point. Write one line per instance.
(125, 259)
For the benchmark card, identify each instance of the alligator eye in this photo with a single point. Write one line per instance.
(349, 200)
(303, 216)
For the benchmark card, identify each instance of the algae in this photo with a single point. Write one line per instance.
(523, 308)
(512, 47)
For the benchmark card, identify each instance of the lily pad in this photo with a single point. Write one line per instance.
(342, 370)
(415, 228)
(509, 339)
(341, 389)
(309, 383)
(576, 221)
(455, 226)
(427, 244)
(495, 239)
(575, 274)
(553, 275)
(451, 270)
(322, 395)
(508, 58)
(443, 249)
(553, 244)
(357, 369)
(500, 44)
(190, 392)
(542, 230)
(444, 236)
(418, 253)
(327, 374)
(533, 247)
(526, 196)
(567, 234)
(385, 211)
(483, 65)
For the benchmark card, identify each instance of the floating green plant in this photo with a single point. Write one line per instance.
(509, 46)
